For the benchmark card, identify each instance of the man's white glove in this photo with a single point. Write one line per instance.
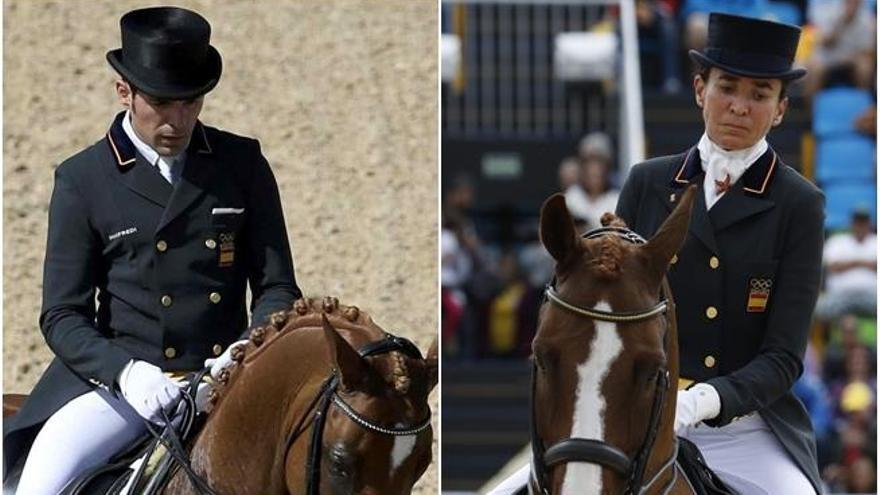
(696, 404)
(223, 361)
(147, 389)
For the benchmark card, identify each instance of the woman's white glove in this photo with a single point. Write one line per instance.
(696, 404)
(148, 390)
(223, 361)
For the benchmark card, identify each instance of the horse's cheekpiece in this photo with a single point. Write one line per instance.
(596, 451)
(328, 395)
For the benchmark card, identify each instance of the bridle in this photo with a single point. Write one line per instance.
(594, 451)
(328, 395)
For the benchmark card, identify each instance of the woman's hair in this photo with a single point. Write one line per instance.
(703, 72)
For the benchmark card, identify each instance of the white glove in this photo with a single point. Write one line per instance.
(696, 404)
(147, 389)
(223, 361)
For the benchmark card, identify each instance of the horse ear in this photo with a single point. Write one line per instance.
(350, 367)
(431, 362)
(557, 228)
(671, 234)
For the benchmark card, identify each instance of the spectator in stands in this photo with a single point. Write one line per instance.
(598, 145)
(658, 45)
(843, 339)
(507, 327)
(594, 196)
(846, 32)
(481, 284)
(851, 271)
(455, 268)
(569, 173)
(862, 476)
(856, 392)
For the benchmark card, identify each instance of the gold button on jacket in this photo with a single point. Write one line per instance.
(161, 246)
(166, 300)
(214, 297)
(709, 361)
(170, 352)
(711, 312)
(217, 349)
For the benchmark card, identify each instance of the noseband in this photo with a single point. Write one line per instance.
(594, 451)
(328, 395)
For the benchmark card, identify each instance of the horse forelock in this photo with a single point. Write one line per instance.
(607, 257)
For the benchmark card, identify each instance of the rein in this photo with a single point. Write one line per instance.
(329, 394)
(596, 451)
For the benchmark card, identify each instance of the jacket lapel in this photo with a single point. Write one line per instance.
(690, 172)
(748, 196)
(197, 173)
(132, 168)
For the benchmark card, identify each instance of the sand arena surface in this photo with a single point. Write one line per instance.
(342, 96)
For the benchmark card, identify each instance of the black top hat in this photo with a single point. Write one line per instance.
(750, 47)
(166, 53)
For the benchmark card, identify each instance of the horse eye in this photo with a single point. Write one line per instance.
(340, 462)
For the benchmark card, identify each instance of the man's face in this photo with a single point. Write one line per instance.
(165, 125)
(738, 111)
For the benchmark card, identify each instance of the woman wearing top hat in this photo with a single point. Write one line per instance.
(746, 280)
(167, 221)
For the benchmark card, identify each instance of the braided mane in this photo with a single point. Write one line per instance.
(307, 313)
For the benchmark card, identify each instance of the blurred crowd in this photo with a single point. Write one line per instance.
(837, 42)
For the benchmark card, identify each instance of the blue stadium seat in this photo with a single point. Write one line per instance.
(783, 12)
(835, 110)
(845, 158)
(843, 198)
(748, 8)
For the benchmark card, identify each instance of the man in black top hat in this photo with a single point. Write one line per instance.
(167, 221)
(746, 280)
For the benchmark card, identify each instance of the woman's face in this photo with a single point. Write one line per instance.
(738, 111)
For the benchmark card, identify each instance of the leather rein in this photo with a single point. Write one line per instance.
(594, 451)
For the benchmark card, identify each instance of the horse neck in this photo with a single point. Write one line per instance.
(260, 406)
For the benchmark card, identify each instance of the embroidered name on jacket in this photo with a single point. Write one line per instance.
(121, 233)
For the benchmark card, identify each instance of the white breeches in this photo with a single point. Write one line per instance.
(86, 432)
(748, 457)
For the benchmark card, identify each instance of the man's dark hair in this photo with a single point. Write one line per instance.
(704, 71)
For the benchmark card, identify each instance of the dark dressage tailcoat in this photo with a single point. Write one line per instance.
(169, 265)
(745, 284)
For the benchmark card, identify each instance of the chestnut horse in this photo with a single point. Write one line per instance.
(606, 359)
(320, 401)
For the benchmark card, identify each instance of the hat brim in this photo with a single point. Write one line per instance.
(202, 84)
(704, 61)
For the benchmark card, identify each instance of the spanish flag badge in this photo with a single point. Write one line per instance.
(759, 293)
